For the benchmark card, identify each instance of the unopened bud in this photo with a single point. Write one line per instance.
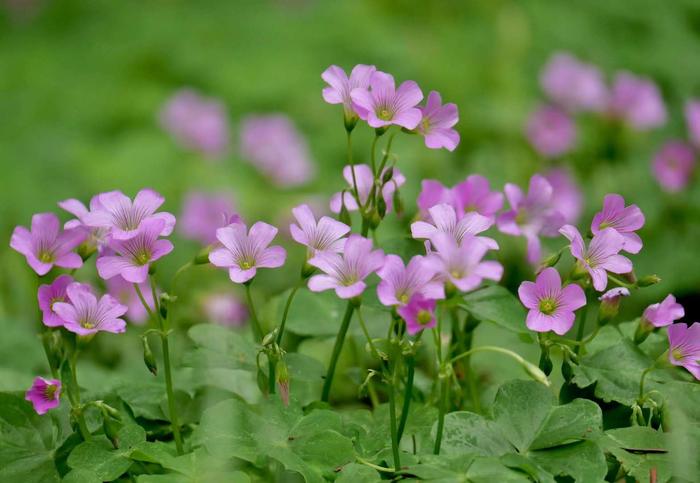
(644, 328)
(610, 304)
(344, 215)
(648, 281)
(262, 381)
(387, 175)
(202, 258)
(550, 261)
(283, 381)
(545, 364)
(381, 207)
(109, 410)
(148, 357)
(398, 203)
(374, 219)
(269, 338)
(536, 373)
(111, 429)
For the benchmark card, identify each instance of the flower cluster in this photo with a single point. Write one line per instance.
(674, 164)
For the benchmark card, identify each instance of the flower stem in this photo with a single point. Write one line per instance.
(373, 150)
(355, 192)
(641, 381)
(582, 325)
(337, 348)
(444, 394)
(280, 332)
(257, 330)
(75, 399)
(372, 347)
(387, 151)
(408, 390)
(392, 418)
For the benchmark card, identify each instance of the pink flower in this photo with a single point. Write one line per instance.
(684, 347)
(638, 101)
(203, 214)
(325, 235)
(96, 237)
(346, 273)
(383, 105)
(225, 309)
(125, 293)
(614, 295)
(531, 215)
(551, 305)
(551, 131)
(123, 217)
(445, 221)
(85, 315)
(462, 263)
(340, 87)
(45, 245)
(365, 181)
(664, 313)
(45, 394)
(625, 220)
(574, 85)
(133, 257)
(692, 120)
(48, 295)
(400, 283)
(673, 166)
(433, 193)
(437, 122)
(474, 194)
(276, 148)
(601, 256)
(196, 122)
(419, 314)
(567, 198)
(243, 251)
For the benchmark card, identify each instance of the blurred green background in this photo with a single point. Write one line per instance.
(83, 81)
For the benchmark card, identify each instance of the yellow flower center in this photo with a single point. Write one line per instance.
(384, 115)
(677, 354)
(548, 306)
(424, 317)
(143, 257)
(46, 257)
(456, 274)
(404, 298)
(50, 391)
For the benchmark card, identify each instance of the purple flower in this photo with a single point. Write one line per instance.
(610, 303)
(225, 309)
(243, 251)
(49, 295)
(462, 264)
(45, 245)
(625, 220)
(614, 295)
(123, 217)
(203, 214)
(45, 394)
(125, 293)
(277, 149)
(325, 235)
(684, 347)
(133, 257)
(551, 305)
(531, 215)
(196, 122)
(474, 194)
(692, 120)
(346, 273)
(85, 315)
(566, 195)
(445, 221)
(437, 122)
(574, 85)
(400, 283)
(601, 256)
(419, 314)
(365, 181)
(433, 193)
(96, 237)
(383, 105)
(638, 101)
(340, 87)
(664, 313)
(551, 131)
(673, 165)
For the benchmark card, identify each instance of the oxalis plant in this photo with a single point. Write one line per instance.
(622, 404)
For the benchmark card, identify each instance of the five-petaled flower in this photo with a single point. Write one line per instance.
(419, 314)
(383, 104)
(551, 305)
(445, 220)
(45, 245)
(133, 257)
(684, 347)
(346, 273)
(243, 251)
(624, 219)
(437, 123)
(601, 256)
(340, 87)
(84, 314)
(664, 313)
(48, 295)
(45, 394)
(400, 282)
(325, 235)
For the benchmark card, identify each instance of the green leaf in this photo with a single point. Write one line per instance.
(197, 466)
(355, 473)
(639, 449)
(305, 377)
(469, 433)
(98, 455)
(497, 305)
(217, 346)
(27, 442)
(314, 314)
(81, 476)
(476, 469)
(144, 399)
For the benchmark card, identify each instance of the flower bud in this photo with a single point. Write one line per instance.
(344, 216)
(111, 429)
(648, 281)
(610, 304)
(386, 177)
(269, 338)
(202, 258)
(644, 328)
(375, 219)
(398, 203)
(283, 381)
(550, 261)
(534, 372)
(381, 207)
(545, 364)
(109, 410)
(148, 357)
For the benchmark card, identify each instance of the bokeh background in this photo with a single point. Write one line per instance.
(83, 83)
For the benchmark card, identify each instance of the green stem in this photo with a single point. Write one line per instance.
(386, 153)
(75, 400)
(582, 325)
(641, 381)
(174, 420)
(280, 333)
(392, 417)
(372, 153)
(271, 386)
(355, 192)
(408, 391)
(620, 282)
(444, 394)
(257, 330)
(372, 465)
(143, 301)
(372, 347)
(337, 348)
